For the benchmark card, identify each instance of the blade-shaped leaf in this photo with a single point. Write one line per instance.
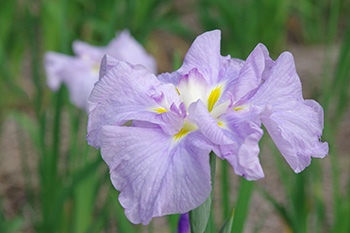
(227, 227)
(199, 216)
(242, 205)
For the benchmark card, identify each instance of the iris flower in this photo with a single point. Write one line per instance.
(160, 164)
(81, 72)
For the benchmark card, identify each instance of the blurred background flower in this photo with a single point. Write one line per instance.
(81, 72)
(51, 181)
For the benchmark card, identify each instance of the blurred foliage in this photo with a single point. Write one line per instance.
(245, 23)
(75, 194)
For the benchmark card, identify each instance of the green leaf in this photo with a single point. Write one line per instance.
(173, 222)
(279, 208)
(225, 191)
(227, 227)
(199, 216)
(242, 206)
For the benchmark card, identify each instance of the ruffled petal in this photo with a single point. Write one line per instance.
(125, 93)
(126, 48)
(155, 175)
(229, 71)
(243, 153)
(107, 63)
(294, 124)
(204, 54)
(172, 78)
(251, 74)
(230, 68)
(296, 128)
(282, 83)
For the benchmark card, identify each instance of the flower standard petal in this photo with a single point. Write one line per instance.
(230, 68)
(125, 93)
(155, 174)
(282, 84)
(204, 55)
(192, 87)
(107, 63)
(251, 74)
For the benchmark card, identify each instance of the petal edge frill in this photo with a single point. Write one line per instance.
(281, 85)
(243, 154)
(296, 128)
(155, 175)
(107, 63)
(251, 74)
(125, 93)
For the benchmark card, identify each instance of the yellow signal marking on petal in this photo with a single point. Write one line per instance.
(180, 134)
(186, 128)
(239, 108)
(178, 92)
(222, 124)
(159, 110)
(213, 97)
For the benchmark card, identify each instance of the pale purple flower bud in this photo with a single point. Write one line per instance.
(184, 224)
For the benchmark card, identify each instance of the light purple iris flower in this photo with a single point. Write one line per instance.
(81, 72)
(160, 164)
